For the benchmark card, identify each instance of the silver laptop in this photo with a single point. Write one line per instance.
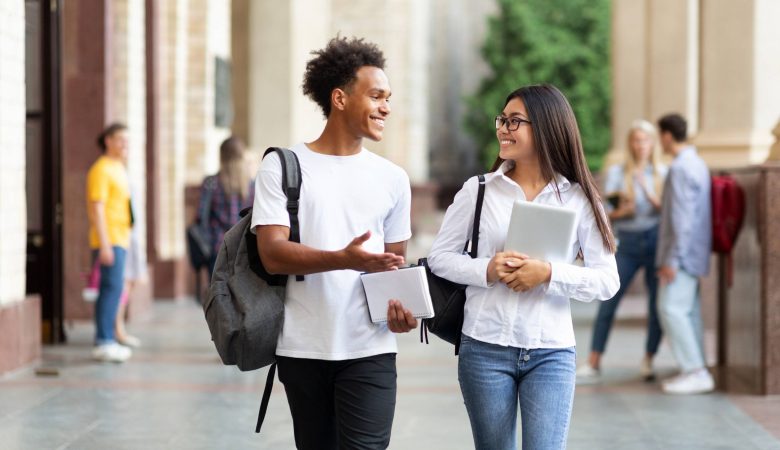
(543, 232)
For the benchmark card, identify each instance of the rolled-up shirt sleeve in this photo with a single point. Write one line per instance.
(447, 258)
(598, 279)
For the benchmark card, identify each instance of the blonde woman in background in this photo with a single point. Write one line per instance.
(633, 190)
(225, 194)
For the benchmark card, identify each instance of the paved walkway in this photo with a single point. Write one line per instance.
(175, 394)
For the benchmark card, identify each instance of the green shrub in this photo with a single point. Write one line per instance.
(562, 42)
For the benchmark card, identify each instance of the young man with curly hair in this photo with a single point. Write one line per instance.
(337, 367)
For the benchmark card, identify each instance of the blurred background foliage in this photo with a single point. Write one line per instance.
(562, 42)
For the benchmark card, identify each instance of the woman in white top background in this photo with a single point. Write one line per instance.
(634, 191)
(518, 343)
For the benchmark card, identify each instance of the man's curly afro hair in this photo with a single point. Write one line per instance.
(336, 66)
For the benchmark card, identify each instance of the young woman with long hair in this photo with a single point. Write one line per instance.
(517, 345)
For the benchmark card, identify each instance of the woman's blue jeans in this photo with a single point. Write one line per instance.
(112, 282)
(494, 378)
(636, 250)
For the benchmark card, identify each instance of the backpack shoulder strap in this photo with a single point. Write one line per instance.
(477, 216)
(291, 185)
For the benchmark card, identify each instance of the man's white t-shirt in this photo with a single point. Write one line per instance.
(326, 315)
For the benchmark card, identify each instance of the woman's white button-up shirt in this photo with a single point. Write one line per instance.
(537, 318)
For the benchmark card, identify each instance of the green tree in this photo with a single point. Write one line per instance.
(562, 42)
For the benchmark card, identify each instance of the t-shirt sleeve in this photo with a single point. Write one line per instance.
(398, 227)
(270, 203)
(97, 184)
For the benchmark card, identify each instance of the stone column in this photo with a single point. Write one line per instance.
(752, 303)
(20, 318)
(85, 106)
(169, 167)
(240, 27)
(655, 64)
(13, 226)
(280, 39)
(208, 37)
(403, 36)
(103, 66)
(629, 71)
(739, 81)
(127, 75)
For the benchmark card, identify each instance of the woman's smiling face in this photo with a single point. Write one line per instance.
(516, 145)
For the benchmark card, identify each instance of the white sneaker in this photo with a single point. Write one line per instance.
(646, 369)
(586, 374)
(697, 382)
(129, 341)
(111, 353)
(673, 379)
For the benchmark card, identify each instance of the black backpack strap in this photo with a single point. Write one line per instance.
(477, 216)
(269, 384)
(291, 185)
(475, 230)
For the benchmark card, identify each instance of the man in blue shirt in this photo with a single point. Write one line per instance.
(683, 255)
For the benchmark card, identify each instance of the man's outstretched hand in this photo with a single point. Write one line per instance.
(361, 260)
(399, 319)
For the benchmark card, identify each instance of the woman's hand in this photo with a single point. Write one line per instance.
(498, 267)
(106, 255)
(526, 273)
(624, 209)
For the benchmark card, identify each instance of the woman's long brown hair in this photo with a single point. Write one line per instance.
(559, 146)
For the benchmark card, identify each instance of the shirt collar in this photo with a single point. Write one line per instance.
(562, 182)
(687, 149)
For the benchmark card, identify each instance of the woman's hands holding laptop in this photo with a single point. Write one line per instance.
(518, 271)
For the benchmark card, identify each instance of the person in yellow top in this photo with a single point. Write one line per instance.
(110, 222)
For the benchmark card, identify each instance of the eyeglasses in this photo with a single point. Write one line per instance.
(512, 123)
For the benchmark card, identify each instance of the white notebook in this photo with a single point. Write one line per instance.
(544, 232)
(408, 284)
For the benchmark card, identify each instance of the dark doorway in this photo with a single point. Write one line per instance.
(44, 204)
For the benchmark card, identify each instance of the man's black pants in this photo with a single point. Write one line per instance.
(340, 404)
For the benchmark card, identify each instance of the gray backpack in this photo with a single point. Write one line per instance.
(245, 305)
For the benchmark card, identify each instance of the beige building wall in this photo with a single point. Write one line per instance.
(629, 71)
(127, 97)
(740, 81)
(240, 26)
(716, 62)
(208, 37)
(655, 65)
(13, 206)
(458, 29)
(401, 28)
(172, 129)
(281, 37)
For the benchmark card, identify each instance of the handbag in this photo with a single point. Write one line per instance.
(198, 236)
(449, 298)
